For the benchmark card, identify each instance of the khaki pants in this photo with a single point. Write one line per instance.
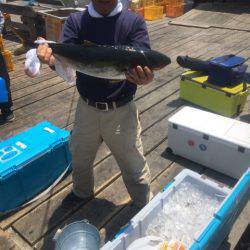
(120, 129)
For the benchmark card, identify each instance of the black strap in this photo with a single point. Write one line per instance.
(107, 105)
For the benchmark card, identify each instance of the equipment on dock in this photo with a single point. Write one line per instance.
(225, 100)
(214, 141)
(177, 212)
(78, 235)
(223, 71)
(31, 162)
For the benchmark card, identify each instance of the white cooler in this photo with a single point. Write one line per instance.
(215, 141)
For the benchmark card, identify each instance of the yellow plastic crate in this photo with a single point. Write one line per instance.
(153, 13)
(228, 101)
(146, 3)
(8, 60)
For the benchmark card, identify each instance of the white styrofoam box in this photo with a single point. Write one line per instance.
(139, 223)
(215, 141)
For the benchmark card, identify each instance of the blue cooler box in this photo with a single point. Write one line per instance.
(30, 162)
(216, 230)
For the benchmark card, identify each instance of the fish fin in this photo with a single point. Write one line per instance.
(88, 43)
(65, 71)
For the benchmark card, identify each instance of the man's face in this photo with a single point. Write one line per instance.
(104, 7)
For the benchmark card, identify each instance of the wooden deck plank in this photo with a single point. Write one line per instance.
(23, 81)
(36, 87)
(6, 242)
(239, 228)
(235, 16)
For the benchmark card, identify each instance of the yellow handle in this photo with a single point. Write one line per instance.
(8, 60)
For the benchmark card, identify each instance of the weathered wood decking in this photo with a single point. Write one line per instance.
(47, 97)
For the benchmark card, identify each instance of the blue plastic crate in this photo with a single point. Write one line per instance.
(30, 162)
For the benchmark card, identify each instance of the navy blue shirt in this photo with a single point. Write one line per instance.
(125, 28)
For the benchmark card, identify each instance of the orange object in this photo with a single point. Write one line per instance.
(1, 43)
(174, 2)
(153, 13)
(174, 11)
(140, 11)
(6, 15)
(8, 60)
(172, 245)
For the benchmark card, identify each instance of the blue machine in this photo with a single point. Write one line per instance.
(30, 162)
(3, 91)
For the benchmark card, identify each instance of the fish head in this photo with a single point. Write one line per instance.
(156, 60)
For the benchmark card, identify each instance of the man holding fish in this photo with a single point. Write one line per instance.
(106, 110)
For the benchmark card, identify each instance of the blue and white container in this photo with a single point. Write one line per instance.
(216, 229)
(30, 162)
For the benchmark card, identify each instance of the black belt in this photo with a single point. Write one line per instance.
(106, 106)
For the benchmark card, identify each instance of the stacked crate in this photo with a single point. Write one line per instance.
(150, 9)
(174, 8)
(155, 9)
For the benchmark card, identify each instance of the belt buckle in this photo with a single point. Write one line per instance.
(102, 106)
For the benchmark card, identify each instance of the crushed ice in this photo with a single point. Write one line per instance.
(185, 214)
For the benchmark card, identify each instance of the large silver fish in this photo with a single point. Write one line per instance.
(109, 62)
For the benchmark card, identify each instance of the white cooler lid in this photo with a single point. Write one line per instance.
(208, 123)
(239, 132)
